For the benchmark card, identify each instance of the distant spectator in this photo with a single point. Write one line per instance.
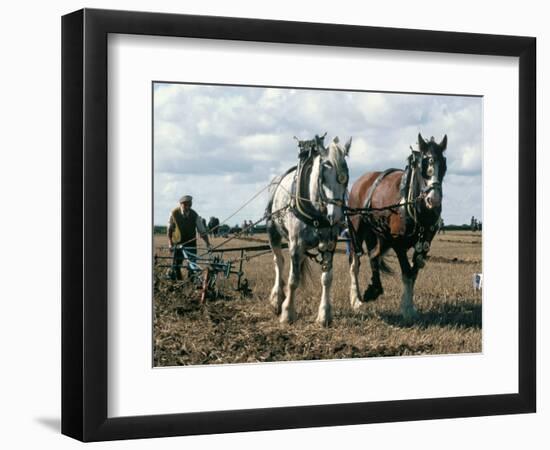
(213, 226)
(346, 235)
(441, 226)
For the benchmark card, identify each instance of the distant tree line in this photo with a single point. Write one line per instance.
(160, 229)
(463, 227)
(475, 224)
(221, 229)
(259, 229)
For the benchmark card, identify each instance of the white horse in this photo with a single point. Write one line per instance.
(306, 208)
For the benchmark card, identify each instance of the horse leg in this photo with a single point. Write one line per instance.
(278, 293)
(408, 276)
(324, 317)
(374, 290)
(288, 312)
(354, 295)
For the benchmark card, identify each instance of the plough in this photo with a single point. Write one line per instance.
(203, 271)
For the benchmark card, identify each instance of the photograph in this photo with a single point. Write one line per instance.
(292, 220)
(275, 225)
(294, 224)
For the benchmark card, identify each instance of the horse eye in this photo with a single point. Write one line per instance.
(431, 160)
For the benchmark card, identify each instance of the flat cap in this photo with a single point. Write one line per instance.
(186, 198)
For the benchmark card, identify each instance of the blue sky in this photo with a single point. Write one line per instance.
(222, 144)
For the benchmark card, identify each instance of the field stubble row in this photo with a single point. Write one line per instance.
(240, 330)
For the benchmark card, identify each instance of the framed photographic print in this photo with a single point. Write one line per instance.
(267, 224)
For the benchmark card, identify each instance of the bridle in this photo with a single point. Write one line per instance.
(309, 210)
(426, 163)
(342, 177)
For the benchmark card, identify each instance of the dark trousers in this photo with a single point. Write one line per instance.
(178, 260)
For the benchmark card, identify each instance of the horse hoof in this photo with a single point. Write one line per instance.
(275, 307)
(409, 314)
(372, 293)
(325, 322)
(287, 317)
(356, 304)
(275, 301)
(324, 317)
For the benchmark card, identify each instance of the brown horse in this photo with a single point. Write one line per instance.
(399, 210)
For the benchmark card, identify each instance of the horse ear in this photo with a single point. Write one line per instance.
(443, 143)
(421, 143)
(347, 146)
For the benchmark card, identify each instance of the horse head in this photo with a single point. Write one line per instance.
(433, 165)
(333, 177)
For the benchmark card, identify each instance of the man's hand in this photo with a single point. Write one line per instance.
(171, 246)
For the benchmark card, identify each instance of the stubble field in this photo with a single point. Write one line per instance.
(235, 329)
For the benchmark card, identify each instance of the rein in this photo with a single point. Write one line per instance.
(365, 211)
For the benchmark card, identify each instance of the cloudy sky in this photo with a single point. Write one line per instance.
(222, 144)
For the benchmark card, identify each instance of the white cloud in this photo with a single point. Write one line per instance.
(263, 147)
(223, 143)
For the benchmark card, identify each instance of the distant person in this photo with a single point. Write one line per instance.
(213, 226)
(346, 235)
(441, 226)
(183, 224)
(245, 229)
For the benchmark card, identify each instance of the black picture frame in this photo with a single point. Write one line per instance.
(84, 224)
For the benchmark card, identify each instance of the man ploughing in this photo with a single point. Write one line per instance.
(183, 224)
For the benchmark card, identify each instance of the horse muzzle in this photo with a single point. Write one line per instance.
(335, 218)
(433, 201)
(433, 197)
(335, 212)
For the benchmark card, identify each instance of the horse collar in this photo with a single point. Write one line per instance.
(301, 206)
